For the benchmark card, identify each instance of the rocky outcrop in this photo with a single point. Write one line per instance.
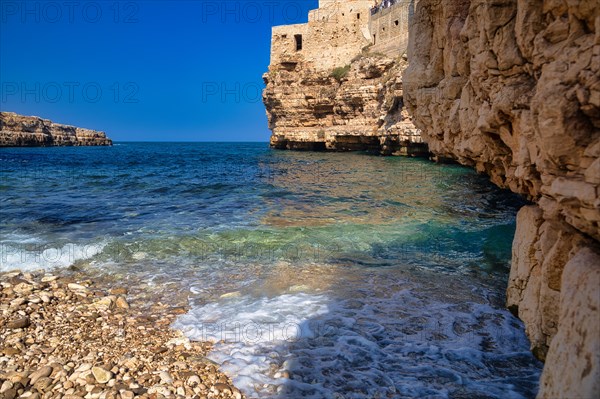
(31, 131)
(512, 88)
(541, 250)
(359, 107)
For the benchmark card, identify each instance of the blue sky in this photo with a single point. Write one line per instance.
(143, 70)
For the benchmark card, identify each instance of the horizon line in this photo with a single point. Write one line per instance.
(187, 141)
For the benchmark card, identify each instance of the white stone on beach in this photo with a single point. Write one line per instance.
(77, 287)
(101, 375)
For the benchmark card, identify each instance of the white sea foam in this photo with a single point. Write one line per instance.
(400, 346)
(41, 256)
(251, 335)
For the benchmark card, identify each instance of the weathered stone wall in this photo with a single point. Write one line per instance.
(326, 3)
(339, 30)
(31, 131)
(335, 33)
(389, 28)
(512, 88)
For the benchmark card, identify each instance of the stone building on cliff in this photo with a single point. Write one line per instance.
(334, 82)
(335, 33)
(339, 30)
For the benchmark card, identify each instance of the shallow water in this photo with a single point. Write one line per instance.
(318, 275)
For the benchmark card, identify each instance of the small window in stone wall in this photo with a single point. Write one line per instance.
(396, 22)
(298, 42)
(284, 36)
(358, 16)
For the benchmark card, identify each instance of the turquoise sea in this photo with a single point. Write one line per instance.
(317, 275)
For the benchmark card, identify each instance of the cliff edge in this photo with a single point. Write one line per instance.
(31, 131)
(335, 83)
(512, 88)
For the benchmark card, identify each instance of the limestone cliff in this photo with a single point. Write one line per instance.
(359, 107)
(512, 88)
(31, 131)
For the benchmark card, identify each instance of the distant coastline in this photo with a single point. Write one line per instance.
(32, 131)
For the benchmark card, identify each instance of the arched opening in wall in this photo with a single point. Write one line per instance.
(298, 39)
(396, 22)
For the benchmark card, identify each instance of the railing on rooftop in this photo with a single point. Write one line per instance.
(383, 5)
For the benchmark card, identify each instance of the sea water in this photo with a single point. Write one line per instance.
(316, 275)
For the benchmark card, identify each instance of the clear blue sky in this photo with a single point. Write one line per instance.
(143, 70)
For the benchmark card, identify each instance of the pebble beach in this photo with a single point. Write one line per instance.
(62, 338)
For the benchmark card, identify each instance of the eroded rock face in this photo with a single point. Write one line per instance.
(512, 88)
(361, 109)
(31, 131)
(541, 250)
(577, 332)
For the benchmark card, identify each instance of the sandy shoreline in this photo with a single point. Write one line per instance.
(62, 337)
